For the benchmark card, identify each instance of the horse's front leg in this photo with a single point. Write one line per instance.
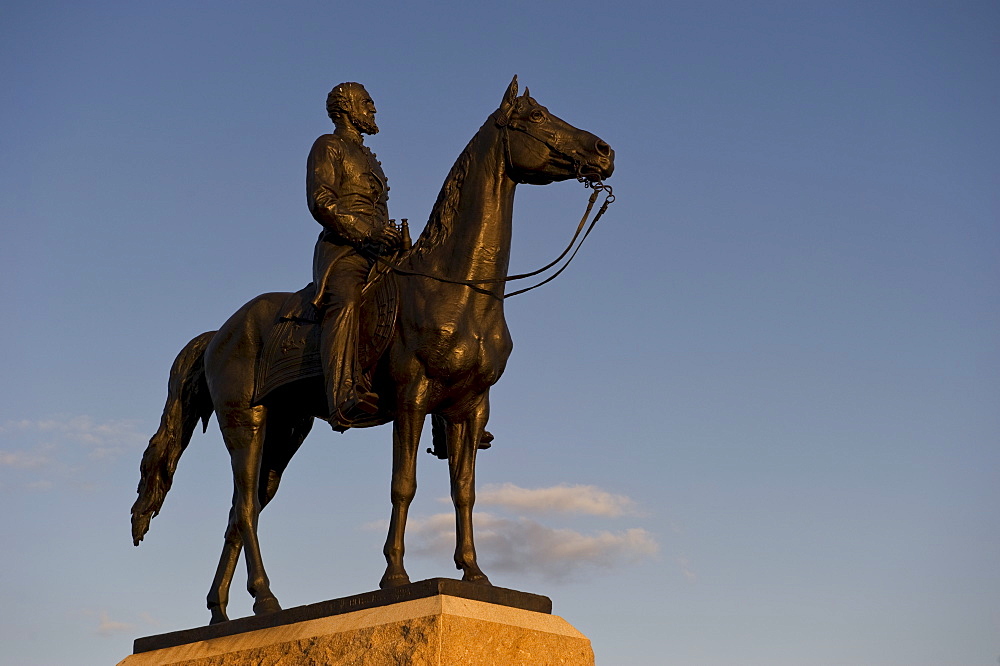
(405, 442)
(463, 442)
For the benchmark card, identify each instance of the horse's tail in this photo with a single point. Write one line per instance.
(188, 401)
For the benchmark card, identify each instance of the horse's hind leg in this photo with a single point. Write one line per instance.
(243, 431)
(282, 439)
(218, 595)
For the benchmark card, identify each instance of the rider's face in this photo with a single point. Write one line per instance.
(363, 113)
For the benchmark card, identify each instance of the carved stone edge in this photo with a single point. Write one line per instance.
(425, 588)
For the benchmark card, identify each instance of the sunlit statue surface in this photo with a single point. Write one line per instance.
(386, 332)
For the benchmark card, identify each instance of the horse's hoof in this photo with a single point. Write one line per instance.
(478, 579)
(218, 616)
(395, 580)
(265, 606)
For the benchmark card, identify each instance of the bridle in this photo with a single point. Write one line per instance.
(589, 179)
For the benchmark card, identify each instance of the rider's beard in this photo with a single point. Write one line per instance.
(366, 124)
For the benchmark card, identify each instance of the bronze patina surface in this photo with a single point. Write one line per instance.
(446, 344)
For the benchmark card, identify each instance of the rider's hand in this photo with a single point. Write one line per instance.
(388, 237)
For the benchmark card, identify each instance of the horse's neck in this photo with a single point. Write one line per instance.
(478, 244)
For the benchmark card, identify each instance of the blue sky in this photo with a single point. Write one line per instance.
(755, 422)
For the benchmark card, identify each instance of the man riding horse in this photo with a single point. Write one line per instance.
(448, 346)
(347, 193)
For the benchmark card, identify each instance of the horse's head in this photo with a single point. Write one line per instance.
(541, 148)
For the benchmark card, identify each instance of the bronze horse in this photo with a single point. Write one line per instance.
(449, 346)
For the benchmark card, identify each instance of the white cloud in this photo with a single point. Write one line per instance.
(149, 619)
(587, 500)
(37, 453)
(685, 567)
(526, 546)
(106, 626)
(24, 459)
(102, 440)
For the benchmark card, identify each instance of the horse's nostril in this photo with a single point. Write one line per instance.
(602, 148)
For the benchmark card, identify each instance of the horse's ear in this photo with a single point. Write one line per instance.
(511, 94)
(526, 93)
(507, 105)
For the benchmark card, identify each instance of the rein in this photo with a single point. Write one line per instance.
(596, 184)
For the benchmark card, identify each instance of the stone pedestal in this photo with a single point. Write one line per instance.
(434, 629)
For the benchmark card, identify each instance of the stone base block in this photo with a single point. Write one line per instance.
(438, 630)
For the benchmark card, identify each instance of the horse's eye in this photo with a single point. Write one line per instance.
(536, 116)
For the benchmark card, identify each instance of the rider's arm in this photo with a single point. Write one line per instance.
(347, 214)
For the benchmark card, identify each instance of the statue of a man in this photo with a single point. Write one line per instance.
(347, 193)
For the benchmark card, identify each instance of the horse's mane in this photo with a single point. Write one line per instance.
(440, 223)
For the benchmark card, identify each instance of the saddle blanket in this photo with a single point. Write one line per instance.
(291, 351)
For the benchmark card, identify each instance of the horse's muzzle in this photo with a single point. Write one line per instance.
(604, 163)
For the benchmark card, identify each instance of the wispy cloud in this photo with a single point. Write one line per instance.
(108, 627)
(40, 451)
(149, 619)
(526, 546)
(101, 440)
(685, 566)
(587, 500)
(518, 543)
(25, 459)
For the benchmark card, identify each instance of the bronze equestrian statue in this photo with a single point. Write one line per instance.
(443, 344)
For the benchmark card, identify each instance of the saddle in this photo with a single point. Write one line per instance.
(291, 351)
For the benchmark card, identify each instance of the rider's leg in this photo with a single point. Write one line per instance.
(339, 340)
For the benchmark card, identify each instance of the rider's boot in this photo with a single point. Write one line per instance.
(356, 403)
(362, 402)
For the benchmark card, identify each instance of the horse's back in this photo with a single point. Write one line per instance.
(235, 348)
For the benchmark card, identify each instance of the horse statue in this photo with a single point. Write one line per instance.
(447, 345)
